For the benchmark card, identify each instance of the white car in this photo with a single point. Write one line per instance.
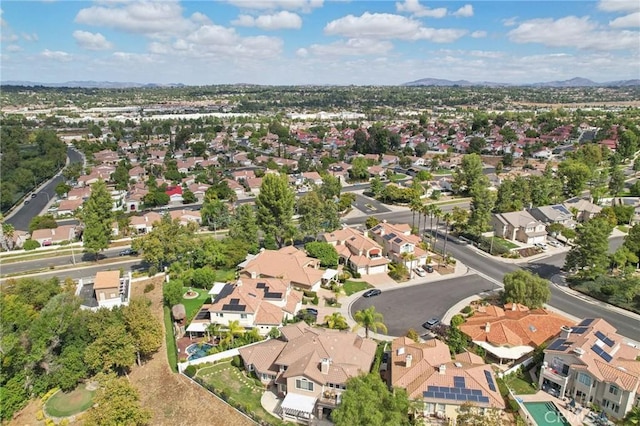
(554, 244)
(541, 246)
(419, 271)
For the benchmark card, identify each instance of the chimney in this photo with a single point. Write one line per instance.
(407, 361)
(487, 327)
(442, 369)
(324, 365)
(239, 283)
(513, 306)
(565, 332)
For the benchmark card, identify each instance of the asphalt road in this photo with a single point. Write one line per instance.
(68, 259)
(405, 308)
(24, 213)
(90, 270)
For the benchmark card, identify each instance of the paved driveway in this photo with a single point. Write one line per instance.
(409, 307)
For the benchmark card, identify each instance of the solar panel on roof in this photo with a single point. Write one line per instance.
(466, 391)
(397, 240)
(428, 394)
(443, 389)
(432, 388)
(604, 339)
(472, 398)
(439, 395)
(234, 308)
(556, 344)
(562, 209)
(461, 397)
(487, 375)
(458, 382)
(202, 314)
(483, 399)
(585, 322)
(450, 396)
(579, 330)
(234, 301)
(603, 354)
(270, 295)
(261, 285)
(455, 390)
(476, 392)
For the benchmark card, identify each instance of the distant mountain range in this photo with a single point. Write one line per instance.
(90, 84)
(574, 82)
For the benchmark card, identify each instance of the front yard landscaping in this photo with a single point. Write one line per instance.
(350, 287)
(232, 384)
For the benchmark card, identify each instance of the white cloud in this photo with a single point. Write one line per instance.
(479, 34)
(510, 22)
(277, 21)
(619, 5)
(629, 21)
(572, 31)
(350, 47)
(302, 5)
(465, 11)
(142, 17)
(302, 52)
(486, 54)
(416, 9)
(30, 37)
(91, 41)
(56, 55)
(389, 26)
(134, 58)
(13, 48)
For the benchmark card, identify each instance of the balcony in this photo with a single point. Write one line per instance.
(555, 376)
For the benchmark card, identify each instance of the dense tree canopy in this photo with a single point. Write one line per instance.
(97, 218)
(274, 205)
(526, 288)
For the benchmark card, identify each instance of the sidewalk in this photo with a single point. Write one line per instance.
(384, 283)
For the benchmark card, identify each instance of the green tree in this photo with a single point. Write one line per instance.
(632, 240)
(172, 292)
(214, 212)
(369, 319)
(324, 251)
(97, 218)
(117, 403)
(310, 208)
(369, 402)
(574, 175)
(166, 243)
(234, 329)
(144, 327)
(274, 205)
(121, 176)
(113, 350)
(62, 188)
(627, 144)
(46, 221)
(188, 197)
(336, 321)
(616, 181)
(376, 186)
(467, 174)
(590, 252)
(482, 203)
(526, 288)
(244, 227)
(330, 187)
(358, 170)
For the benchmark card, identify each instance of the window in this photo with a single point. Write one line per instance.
(585, 379)
(304, 384)
(220, 315)
(613, 390)
(243, 316)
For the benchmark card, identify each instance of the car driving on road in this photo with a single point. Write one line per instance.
(430, 324)
(371, 293)
(128, 252)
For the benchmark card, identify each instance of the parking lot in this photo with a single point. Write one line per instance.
(405, 308)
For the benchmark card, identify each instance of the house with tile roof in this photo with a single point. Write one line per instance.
(399, 244)
(428, 373)
(288, 263)
(513, 331)
(107, 290)
(47, 237)
(584, 209)
(593, 364)
(261, 303)
(309, 367)
(519, 226)
(357, 251)
(556, 213)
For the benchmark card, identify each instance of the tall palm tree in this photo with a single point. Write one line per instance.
(447, 217)
(336, 321)
(437, 214)
(415, 206)
(370, 320)
(633, 418)
(234, 329)
(213, 330)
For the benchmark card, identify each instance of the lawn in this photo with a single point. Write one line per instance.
(172, 350)
(397, 176)
(192, 306)
(519, 385)
(351, 287)
(227, 378)
(63, 404)
(497, 241)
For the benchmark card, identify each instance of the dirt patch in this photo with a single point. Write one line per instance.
(174, 399)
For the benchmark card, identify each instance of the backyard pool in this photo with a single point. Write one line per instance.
(198, 350)
(546, 414)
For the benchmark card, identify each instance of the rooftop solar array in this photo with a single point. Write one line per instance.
(558, 345)
(458, 382)
(389, 237)
(455, 396)
(272, 295)
(234, 308)
(579, 330)
(585, 322)
(562, 209)
(202, 314)
(261, 285)
(605, 339)
(603, 354)
(490, 382)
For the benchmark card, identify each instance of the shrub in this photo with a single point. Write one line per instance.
(323, 251)
(236, 361)
(309, 293)
(467, 309)
(30, 245)
(608, 290)
(149, 288)
(314, 301)
(413, 335)
(40, 415)
(457, 320)
(513, 405)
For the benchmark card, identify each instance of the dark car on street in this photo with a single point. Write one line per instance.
(371, 293)
(128, 252)
(431, 324)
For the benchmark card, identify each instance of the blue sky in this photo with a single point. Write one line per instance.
(318, 42)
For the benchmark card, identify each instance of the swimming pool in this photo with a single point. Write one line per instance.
(546, 414)
(198, 350)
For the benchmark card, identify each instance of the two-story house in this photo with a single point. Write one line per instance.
(556, 213)
(359, 252)
(593, 364)
(399, 244)
(584, 209)
(309, 367)
(519, 226)
(107, 290)
(429, 375)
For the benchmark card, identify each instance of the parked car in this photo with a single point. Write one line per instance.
(429, 325)
(372, 292)
(541, 246)
(554, 243)
(420, 272)
(428, 268)
(128, 252)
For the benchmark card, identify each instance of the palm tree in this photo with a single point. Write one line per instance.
(234, 329)
(437, 214)
(448, 217)
(336, 321)
(213, 330)
(633, 418)
(370, 320)
(415, 206)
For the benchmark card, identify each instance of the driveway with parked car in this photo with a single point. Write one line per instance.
(410, 307)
